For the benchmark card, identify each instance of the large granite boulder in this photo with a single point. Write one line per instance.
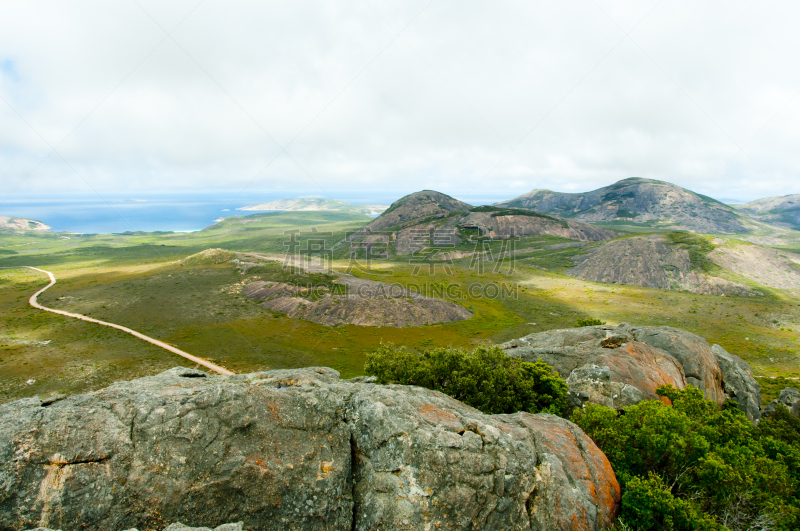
(618, 366)
(293, 450)
(700, 366)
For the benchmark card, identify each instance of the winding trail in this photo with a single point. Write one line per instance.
(200, 361)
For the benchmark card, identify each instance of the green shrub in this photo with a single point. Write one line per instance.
(591, 321)
(622, 213)
(694, 465)
(505, 211)
(484, 378)
(699, 247)
(651, 505)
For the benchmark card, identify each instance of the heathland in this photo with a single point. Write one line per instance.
(140, 280)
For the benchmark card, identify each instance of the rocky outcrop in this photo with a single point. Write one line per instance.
(738, 382)
(789, 397)
(651, 262)
(501, 226)
(769, 267)
(347, 299)
(365, 303)
(179, 527)
(618, 366)
(293, 450)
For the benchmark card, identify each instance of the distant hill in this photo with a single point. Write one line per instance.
(432, 219)
(638, 201)
(21, 224)
(415, 207)
(317, 204)
(685, 261)
(666, 261)
(781, 211)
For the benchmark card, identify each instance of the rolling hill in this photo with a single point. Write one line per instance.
(432, 219)
(783, 211)
(638, 201)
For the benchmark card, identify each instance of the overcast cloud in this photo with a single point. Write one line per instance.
(468, 98)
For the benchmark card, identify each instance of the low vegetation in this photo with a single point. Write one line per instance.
(275, 272)
(209, 257)
(590, 321)
(698, 245)
(505, 211)
(693, 466)
(484, 378)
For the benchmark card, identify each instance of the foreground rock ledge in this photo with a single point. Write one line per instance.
(293, 450)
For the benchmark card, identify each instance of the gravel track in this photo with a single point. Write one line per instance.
(33, 302)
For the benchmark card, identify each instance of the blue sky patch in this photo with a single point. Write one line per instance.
(9, 69)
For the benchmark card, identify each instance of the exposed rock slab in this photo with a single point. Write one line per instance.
(366, 303)
(293, 450)
(509, 226)
(178, 527)
(650, 262)
(618, 366)
(263, 290)
(776, 269)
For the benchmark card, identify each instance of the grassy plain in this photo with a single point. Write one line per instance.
(135, 280)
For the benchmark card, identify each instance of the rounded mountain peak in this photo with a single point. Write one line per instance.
(419, 205)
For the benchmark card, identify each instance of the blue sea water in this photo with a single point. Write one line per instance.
(94, 215)
(166, 212)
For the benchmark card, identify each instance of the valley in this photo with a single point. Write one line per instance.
(500, 311)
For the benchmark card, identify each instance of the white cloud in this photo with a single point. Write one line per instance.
(699, 94)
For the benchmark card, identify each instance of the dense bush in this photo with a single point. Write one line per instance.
(591, 321)
(698, 246)
(694, 466)
(484, 378)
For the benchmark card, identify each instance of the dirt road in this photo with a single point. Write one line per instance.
(195, 359)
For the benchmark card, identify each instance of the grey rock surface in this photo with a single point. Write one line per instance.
(739, 383)
(618, 366)
(789, 397)
(178, 527)
(292, 450)
(700, 365)
(224, 527)
(650, 261)
(638, 200)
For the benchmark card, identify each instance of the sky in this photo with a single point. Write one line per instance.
(473, 99)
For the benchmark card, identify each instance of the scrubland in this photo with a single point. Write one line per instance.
(136, 280)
